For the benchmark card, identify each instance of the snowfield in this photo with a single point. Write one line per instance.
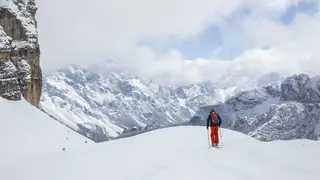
(29, 133)
(172, 153)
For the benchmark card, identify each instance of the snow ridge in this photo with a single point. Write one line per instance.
(172, 153)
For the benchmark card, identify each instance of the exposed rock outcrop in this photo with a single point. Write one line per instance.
(301, 88)
(20, 71)
(289, 120)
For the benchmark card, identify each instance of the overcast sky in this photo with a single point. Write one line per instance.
(241, 37)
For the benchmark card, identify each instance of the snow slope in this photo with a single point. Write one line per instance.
(174, 154)
(26, 132)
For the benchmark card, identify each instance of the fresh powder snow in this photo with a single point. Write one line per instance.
(27, 133)
(172, 153)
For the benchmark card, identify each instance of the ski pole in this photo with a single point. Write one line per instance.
(208, 138)
(221, 137)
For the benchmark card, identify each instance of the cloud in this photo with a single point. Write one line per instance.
(298, 42)
(291, 49)
(271, 46)
(85, 32)
(82, 31)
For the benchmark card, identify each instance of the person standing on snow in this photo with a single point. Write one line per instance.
(214, 121)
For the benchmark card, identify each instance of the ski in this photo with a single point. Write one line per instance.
(217, 146)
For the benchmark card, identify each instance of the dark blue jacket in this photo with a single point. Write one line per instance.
(209, 122)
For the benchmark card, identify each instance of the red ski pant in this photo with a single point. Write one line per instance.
(214, 134)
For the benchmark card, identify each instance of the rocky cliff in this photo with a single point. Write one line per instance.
(20, 72)
(301, 88)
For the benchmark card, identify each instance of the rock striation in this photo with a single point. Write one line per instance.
(20, 71)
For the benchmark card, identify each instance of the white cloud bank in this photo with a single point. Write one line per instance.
(83, 32)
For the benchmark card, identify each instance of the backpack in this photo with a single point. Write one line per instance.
(214, 118)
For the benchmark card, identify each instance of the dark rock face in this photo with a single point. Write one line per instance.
(301, 88)
(94, 132)
(311, 93)
(9, 85)
(290, 120)
(292, 88)
(19, 52)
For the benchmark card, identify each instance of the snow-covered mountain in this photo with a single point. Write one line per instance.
(173, 154)
(290, 111)
(104, 105)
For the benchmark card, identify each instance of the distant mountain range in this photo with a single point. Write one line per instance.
(104, 105)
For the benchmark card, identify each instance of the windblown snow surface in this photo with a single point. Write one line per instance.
(172, 154)
(27, 133)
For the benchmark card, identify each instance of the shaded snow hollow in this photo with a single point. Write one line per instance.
(172, 154)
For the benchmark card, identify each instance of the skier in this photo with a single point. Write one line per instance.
(214, 121)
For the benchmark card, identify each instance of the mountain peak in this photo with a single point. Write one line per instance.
(301, 88)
